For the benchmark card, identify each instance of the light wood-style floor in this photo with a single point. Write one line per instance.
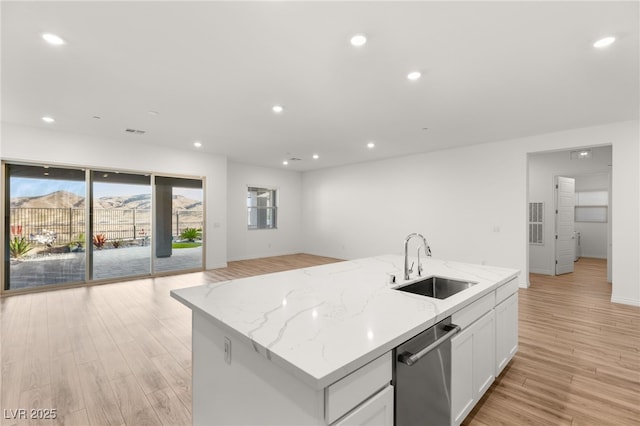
(121, 353)
(579, 357)
(112, 354)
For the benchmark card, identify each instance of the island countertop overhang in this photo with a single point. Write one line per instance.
(324, 322)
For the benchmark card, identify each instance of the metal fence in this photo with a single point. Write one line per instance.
(67, 225)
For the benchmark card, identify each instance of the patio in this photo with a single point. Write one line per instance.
(111, 263)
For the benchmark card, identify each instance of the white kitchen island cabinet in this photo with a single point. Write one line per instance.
(250, 390)
(314, 346)
(506, 330)
(487, 342)
(378, 411)
(472, 356)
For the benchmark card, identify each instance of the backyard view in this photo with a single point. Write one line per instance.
(49, 242)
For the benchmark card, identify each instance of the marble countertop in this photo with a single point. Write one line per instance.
(324, 322)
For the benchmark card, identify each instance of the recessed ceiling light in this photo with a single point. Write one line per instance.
(48, 119)
(358, 40)
(285, 162)
(197, 144)
(604, 42)
(53, 39)
(371, 145)
(277, 109)
(581, 155)
(316, 156)
(414, 75)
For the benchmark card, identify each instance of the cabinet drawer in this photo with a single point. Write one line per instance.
(348, 392)
(378, 410)
(506, 290)
(466, 316)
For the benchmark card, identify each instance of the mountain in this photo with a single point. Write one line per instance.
(65, 199)
(142, 201)
(58, 199)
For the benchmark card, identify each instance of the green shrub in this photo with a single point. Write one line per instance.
(19, 246)
(78, 242)
(191, 234)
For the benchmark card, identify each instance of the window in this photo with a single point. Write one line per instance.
(591, 206)
(262, 211)
(536, 223)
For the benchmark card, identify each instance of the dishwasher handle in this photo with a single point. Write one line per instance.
(409, 359)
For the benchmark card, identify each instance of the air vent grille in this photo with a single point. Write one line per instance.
(135, 131)
(536, 223)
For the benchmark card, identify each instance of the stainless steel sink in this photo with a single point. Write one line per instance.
(437, 287)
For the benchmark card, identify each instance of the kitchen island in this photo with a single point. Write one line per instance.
(310, 346)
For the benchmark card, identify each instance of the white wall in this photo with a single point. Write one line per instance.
(543, 168)
(471, 203)
(248, 244)
(20, 143)
(593, 239)
(459, 199)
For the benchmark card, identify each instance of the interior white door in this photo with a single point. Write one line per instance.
(565, 226)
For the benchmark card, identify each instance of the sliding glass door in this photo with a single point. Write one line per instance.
(179, 220)
(120, 225)
(72, 225)
(45, 227)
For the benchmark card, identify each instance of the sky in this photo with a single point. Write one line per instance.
(30, 187)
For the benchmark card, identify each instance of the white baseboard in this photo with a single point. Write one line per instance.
(624, 301)
(540, 271)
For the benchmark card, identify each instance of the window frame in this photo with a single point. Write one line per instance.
(591, 206)
(270, 218)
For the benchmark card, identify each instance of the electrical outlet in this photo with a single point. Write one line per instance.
(227, 350)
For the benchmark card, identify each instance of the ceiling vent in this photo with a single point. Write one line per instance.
(295, 159)
(135, 131)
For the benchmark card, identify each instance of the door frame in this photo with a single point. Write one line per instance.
(528, 181)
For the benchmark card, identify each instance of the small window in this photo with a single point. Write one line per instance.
(536, 211)
(592, 206)
(262, 210)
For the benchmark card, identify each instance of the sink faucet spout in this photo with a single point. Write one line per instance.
(427, 251)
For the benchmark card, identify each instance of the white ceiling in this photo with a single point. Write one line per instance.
(213, 70)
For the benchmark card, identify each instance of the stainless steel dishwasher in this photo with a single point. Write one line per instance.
(422, 377)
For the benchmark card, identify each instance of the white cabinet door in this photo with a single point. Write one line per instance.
(461, 375)
(506, 331)
(349, 392)
(484, 354)
(376, 411)
(472, 365)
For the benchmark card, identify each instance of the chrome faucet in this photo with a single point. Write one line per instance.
(427, 251)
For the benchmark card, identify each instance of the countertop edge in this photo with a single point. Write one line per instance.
(319, 383)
